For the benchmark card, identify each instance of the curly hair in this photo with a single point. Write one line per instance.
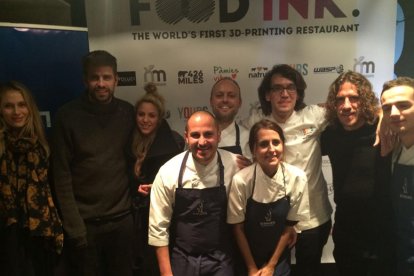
(287, 72)
(368, 101)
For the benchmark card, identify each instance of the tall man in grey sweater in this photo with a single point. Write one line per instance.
(90, 165)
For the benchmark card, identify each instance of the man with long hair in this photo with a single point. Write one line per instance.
(361, 232)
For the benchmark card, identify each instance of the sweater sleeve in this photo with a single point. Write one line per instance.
(62, 156)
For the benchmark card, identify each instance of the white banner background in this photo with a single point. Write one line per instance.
(317, 36)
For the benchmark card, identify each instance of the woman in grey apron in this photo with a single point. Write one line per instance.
(266, 199)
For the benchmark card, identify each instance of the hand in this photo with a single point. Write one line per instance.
(253, 272)
(144, 189)
(385, 136)
(267, 271)
(242, 161)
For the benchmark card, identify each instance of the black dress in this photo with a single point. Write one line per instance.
(166, 145)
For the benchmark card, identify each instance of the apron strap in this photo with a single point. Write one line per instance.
(182, 168)
(237, 134)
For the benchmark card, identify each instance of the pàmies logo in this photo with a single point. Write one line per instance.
(366, 68)
(158, 77)
(190, 77)
(220, 72)
(257, 72)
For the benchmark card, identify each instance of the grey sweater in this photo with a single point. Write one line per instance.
(90, 162)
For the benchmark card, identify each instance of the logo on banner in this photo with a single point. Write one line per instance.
(329, 69)
(190, 77)
(127, 78)
(221, 72)
(257, 72)
(302, 68)
(184, 112)
(156, 76)
(195, 11)
(366, 68)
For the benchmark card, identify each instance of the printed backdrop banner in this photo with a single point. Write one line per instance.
(185, 46)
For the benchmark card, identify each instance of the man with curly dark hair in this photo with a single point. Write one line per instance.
(361, 232)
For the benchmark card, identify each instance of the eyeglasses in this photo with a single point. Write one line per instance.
(351, 99)
(277, 88)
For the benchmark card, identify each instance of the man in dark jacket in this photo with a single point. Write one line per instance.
(90, 168)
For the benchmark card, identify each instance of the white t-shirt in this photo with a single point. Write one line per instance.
(228, 139)
(407, 155)
(196, 176)
(302, 131)
(268, 190)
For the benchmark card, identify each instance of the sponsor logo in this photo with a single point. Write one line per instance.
(220, 72)
(366, 68)
(257, 72)
(329, 69)
(174, 11)
(302, 68)
(190, 77)
(184, 112)
(127, 78)
(157, 76)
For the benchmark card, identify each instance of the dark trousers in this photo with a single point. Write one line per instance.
(23, 255)
(109, 250)
(309, 248)
(216, 263)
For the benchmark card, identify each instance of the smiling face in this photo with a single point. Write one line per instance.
(348, 107)
(398, 108)
(268, 150)
(147, 118)
(282, 96)
(202, 136)
(101, 82)
(14, 110)
(225, 100)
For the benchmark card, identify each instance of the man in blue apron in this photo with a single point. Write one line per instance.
(397, 101)
(187, 223)
(225, 101)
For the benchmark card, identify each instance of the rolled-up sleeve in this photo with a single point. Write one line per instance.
(161, 210)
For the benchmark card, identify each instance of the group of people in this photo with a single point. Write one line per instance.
(133, 197)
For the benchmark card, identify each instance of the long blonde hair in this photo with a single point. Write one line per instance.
(142, 143)
(34, 127)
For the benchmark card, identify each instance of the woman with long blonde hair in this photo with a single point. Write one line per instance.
(154, 143)
(30, 229)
